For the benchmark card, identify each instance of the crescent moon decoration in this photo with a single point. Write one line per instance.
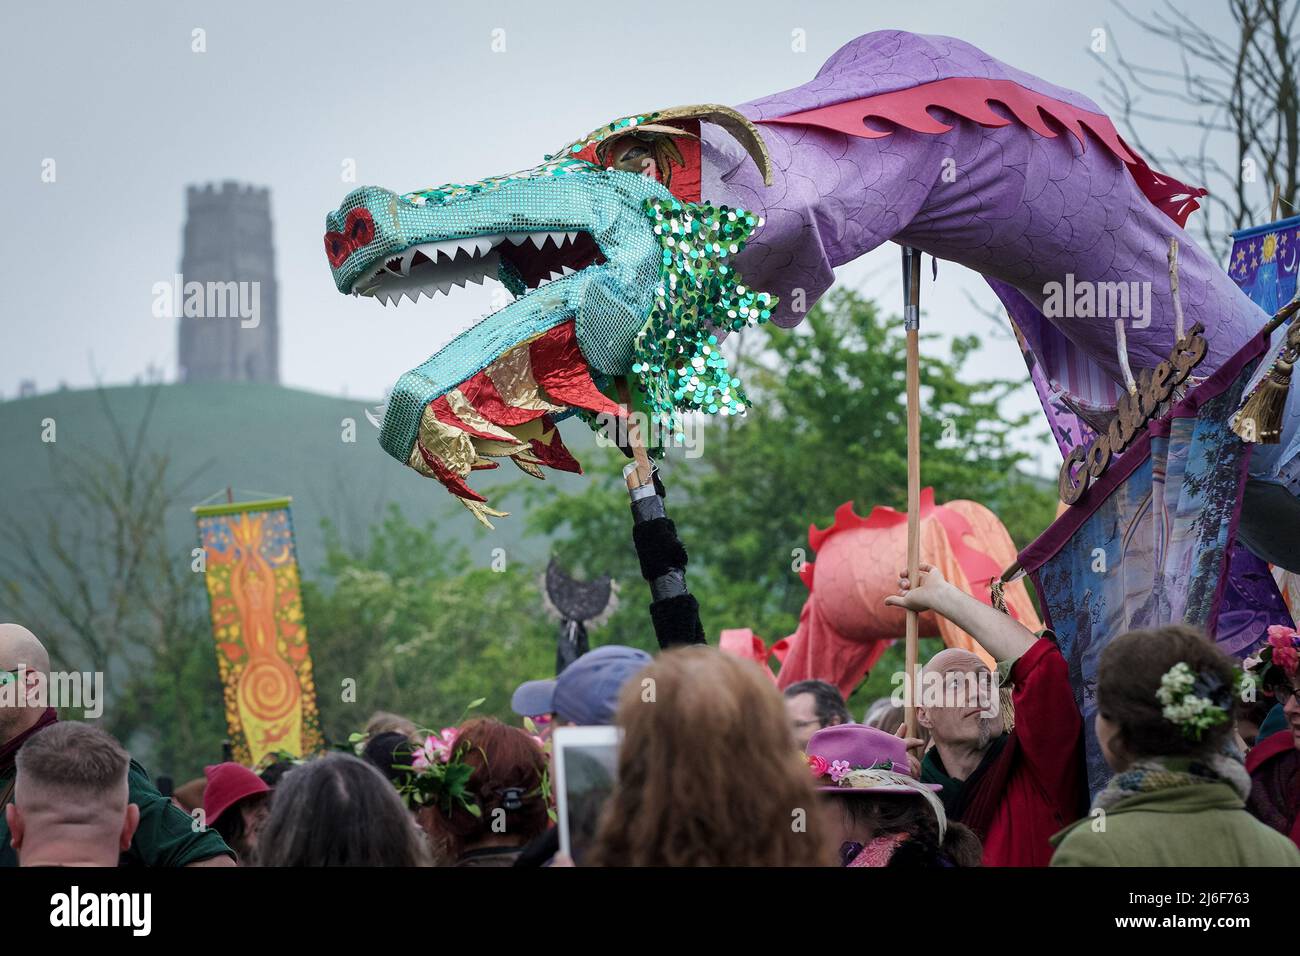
(576, 605)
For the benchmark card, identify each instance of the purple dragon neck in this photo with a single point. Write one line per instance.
(1023, 209)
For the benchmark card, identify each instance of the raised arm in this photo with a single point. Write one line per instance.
(674, 611)
(1000, 634)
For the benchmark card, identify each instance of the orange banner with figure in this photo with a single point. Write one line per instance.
(257, 623)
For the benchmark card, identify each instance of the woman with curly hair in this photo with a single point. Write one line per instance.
(504, 787)
(708, 771)
(1164, 704)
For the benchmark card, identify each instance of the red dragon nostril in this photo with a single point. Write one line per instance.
(358, 231)
(337, 248)
(360, 226)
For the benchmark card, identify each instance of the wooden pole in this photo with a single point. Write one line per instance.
(912, 325)
(642, 474)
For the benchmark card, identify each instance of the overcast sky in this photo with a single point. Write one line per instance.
(287, 92)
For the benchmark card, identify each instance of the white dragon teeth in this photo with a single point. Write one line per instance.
(452, 262)
(407, 256)
(452, 248)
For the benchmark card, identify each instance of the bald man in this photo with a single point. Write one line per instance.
(1013, 788)
(164, 835)
(23, 660)
(71, 799)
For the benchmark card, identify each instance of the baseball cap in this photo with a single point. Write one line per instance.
(586, 693)
(533, 698)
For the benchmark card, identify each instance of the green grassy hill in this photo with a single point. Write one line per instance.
(258, 438)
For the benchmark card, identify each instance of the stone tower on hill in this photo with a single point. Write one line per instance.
(229, 326)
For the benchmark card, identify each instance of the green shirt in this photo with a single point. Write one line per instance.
(165, 837)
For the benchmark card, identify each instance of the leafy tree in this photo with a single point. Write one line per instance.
(420, 632)
(98, 580)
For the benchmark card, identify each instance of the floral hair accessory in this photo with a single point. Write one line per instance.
(1189, 700)
(439, 777)
(437, 748)
(437, 774)
(1281, 650)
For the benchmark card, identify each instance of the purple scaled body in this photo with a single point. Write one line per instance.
(1023, 209)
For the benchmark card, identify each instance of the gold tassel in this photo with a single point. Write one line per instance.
(1008, 708)
(1259, 420)
(997, 594)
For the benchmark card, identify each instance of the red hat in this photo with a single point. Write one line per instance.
(228, 783)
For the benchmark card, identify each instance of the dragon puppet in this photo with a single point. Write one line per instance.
(633, 250)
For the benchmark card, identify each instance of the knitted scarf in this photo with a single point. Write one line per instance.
(879, 851)
(1151, 774)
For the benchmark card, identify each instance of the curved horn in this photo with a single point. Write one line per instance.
(660, 128)
(735, 123)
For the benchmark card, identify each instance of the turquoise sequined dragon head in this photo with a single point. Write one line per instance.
(616, 268)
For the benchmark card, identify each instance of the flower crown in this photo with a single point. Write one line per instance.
(438, 774)
(1281, 651)
(1193, 702)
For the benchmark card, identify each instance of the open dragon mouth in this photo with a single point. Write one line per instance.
(531, 259)
(644, 304)
(508, 409)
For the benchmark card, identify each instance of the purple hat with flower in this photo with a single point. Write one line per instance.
(858, 757)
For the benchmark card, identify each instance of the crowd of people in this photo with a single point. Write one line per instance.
(716, 766)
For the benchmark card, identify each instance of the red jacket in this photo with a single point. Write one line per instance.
(1046, 788)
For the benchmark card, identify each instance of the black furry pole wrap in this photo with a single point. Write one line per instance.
(673, 609)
